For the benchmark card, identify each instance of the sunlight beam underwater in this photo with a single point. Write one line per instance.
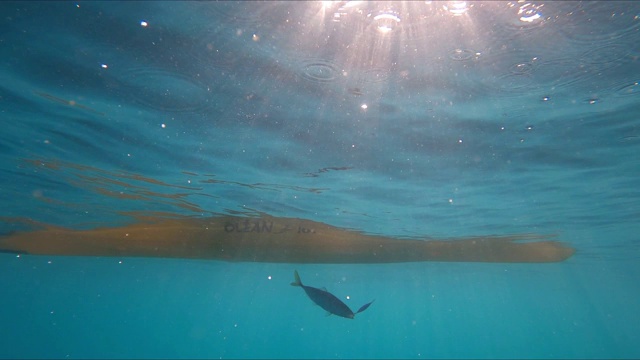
(274, 240)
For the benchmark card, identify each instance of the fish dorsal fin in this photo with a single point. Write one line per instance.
(297, 281)
(324, 289)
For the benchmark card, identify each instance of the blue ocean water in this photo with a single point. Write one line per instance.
(404, 119)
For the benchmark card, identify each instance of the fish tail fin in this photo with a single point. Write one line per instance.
(364, 307)
(297, 281)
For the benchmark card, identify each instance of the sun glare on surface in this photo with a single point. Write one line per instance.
(361, 45)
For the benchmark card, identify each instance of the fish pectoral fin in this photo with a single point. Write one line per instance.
(328, 313)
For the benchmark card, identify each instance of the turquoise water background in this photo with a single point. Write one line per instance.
(402, 119)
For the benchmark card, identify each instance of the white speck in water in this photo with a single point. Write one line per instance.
(144, 23)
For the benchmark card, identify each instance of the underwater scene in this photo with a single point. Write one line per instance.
(320, 179)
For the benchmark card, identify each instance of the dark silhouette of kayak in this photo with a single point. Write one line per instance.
(327, 300)
(271, 239)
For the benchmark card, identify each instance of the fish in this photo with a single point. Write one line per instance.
(327, 300)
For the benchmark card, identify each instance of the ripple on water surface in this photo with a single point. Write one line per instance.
(166, 91)
(593, 23)
(508, 20)
(243, 13)
(628, 88)
(463, 54)
(606, 56)
(319, 70)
